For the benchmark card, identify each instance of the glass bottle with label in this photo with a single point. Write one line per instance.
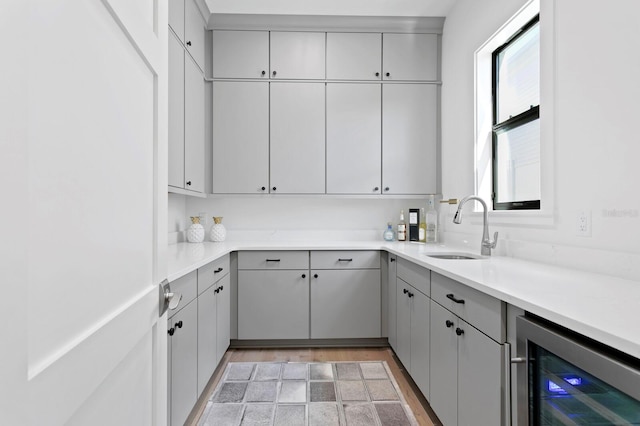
(422, 231)
(432, 221)
(402, 228)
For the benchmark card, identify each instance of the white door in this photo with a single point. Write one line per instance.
(89, 158)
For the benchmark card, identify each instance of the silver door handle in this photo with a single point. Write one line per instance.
(168, 300)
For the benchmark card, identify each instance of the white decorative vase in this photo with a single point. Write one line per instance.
(195, 233)
(218, 231)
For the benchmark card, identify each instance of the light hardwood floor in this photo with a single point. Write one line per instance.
(423, 413)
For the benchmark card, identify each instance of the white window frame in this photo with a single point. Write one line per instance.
(483, 114)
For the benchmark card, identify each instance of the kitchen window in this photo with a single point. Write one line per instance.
(516, 177)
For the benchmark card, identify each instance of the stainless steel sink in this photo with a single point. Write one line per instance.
(454, 256)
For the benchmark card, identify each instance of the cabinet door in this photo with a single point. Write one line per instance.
(345, 303)
(273, 305)
(176, 18)
(184, 363)
(420, 320)
(403, 323)
(443, 383)
(353, 138)
(176, 112)
(193, 127)
(240, 137)
(480, 378)
(409, 136)
(391, 302)
(240, 54)
(297, 55)
(206, 337)
(410, 57)
(297, 138)
(354, 56)
(223, 316)
(194, 32)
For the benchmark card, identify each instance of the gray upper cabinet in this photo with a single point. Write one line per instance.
(176, 112)
(240, 54)
(297, 152)
(353, 138)
(297, 55)
(409, 135)
(187, 23)
(410, 57)
(240, 137)
(354, 56)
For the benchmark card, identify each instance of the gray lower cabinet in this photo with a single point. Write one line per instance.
(467, 366)
(391, 300)
(273, 295)
(183, 362)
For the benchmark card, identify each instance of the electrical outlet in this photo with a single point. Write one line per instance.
(583, 223)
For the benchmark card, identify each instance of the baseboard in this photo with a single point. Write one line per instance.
(380, 342)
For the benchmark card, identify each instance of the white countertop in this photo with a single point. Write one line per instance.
(602, 307)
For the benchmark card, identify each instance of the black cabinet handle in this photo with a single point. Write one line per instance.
(377, 74)
(345, 260)
(393, 259)
(273, 260)
(221, 287)
(304, 275)
(264, 72)
(179, 324)
(274, 73)
(189, 183)
(315, 275)
(386, 188)
(217, 270)
(388, 74)
(459, 331)
(452, 297)
(274, 188)
(171, 331)
(189, 43)
(217, 290)
(405, 291)
(449, 323)
(410, 294)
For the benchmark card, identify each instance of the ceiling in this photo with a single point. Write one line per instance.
(333, 7)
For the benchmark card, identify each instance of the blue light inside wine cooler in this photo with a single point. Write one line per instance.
(554, 388)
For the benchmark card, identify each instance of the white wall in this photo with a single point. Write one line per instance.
(178, 220)
(298, 217)
(596, 145)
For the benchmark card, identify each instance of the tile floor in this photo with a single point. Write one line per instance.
(300, 393)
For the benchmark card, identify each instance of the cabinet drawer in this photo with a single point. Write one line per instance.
(417, 276)
(345, 259)
(273, 260)
(187, 286)
(482, 311)
(212, 272)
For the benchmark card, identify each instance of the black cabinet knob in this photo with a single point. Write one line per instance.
(377, 74)
(263, 188)
(410, 294)
(304, 275)
(217, 290)
(189, 43)
(405, 291)
(393, 259)
(315, 275)
(171, 331)
(386, 188)
(221, 287)
(179, 324)
(376, 189)
(264, 73)
(449, 323)
(188, 183)
(388, 74)
(274, 188)
(274, 73)
(459, 331)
